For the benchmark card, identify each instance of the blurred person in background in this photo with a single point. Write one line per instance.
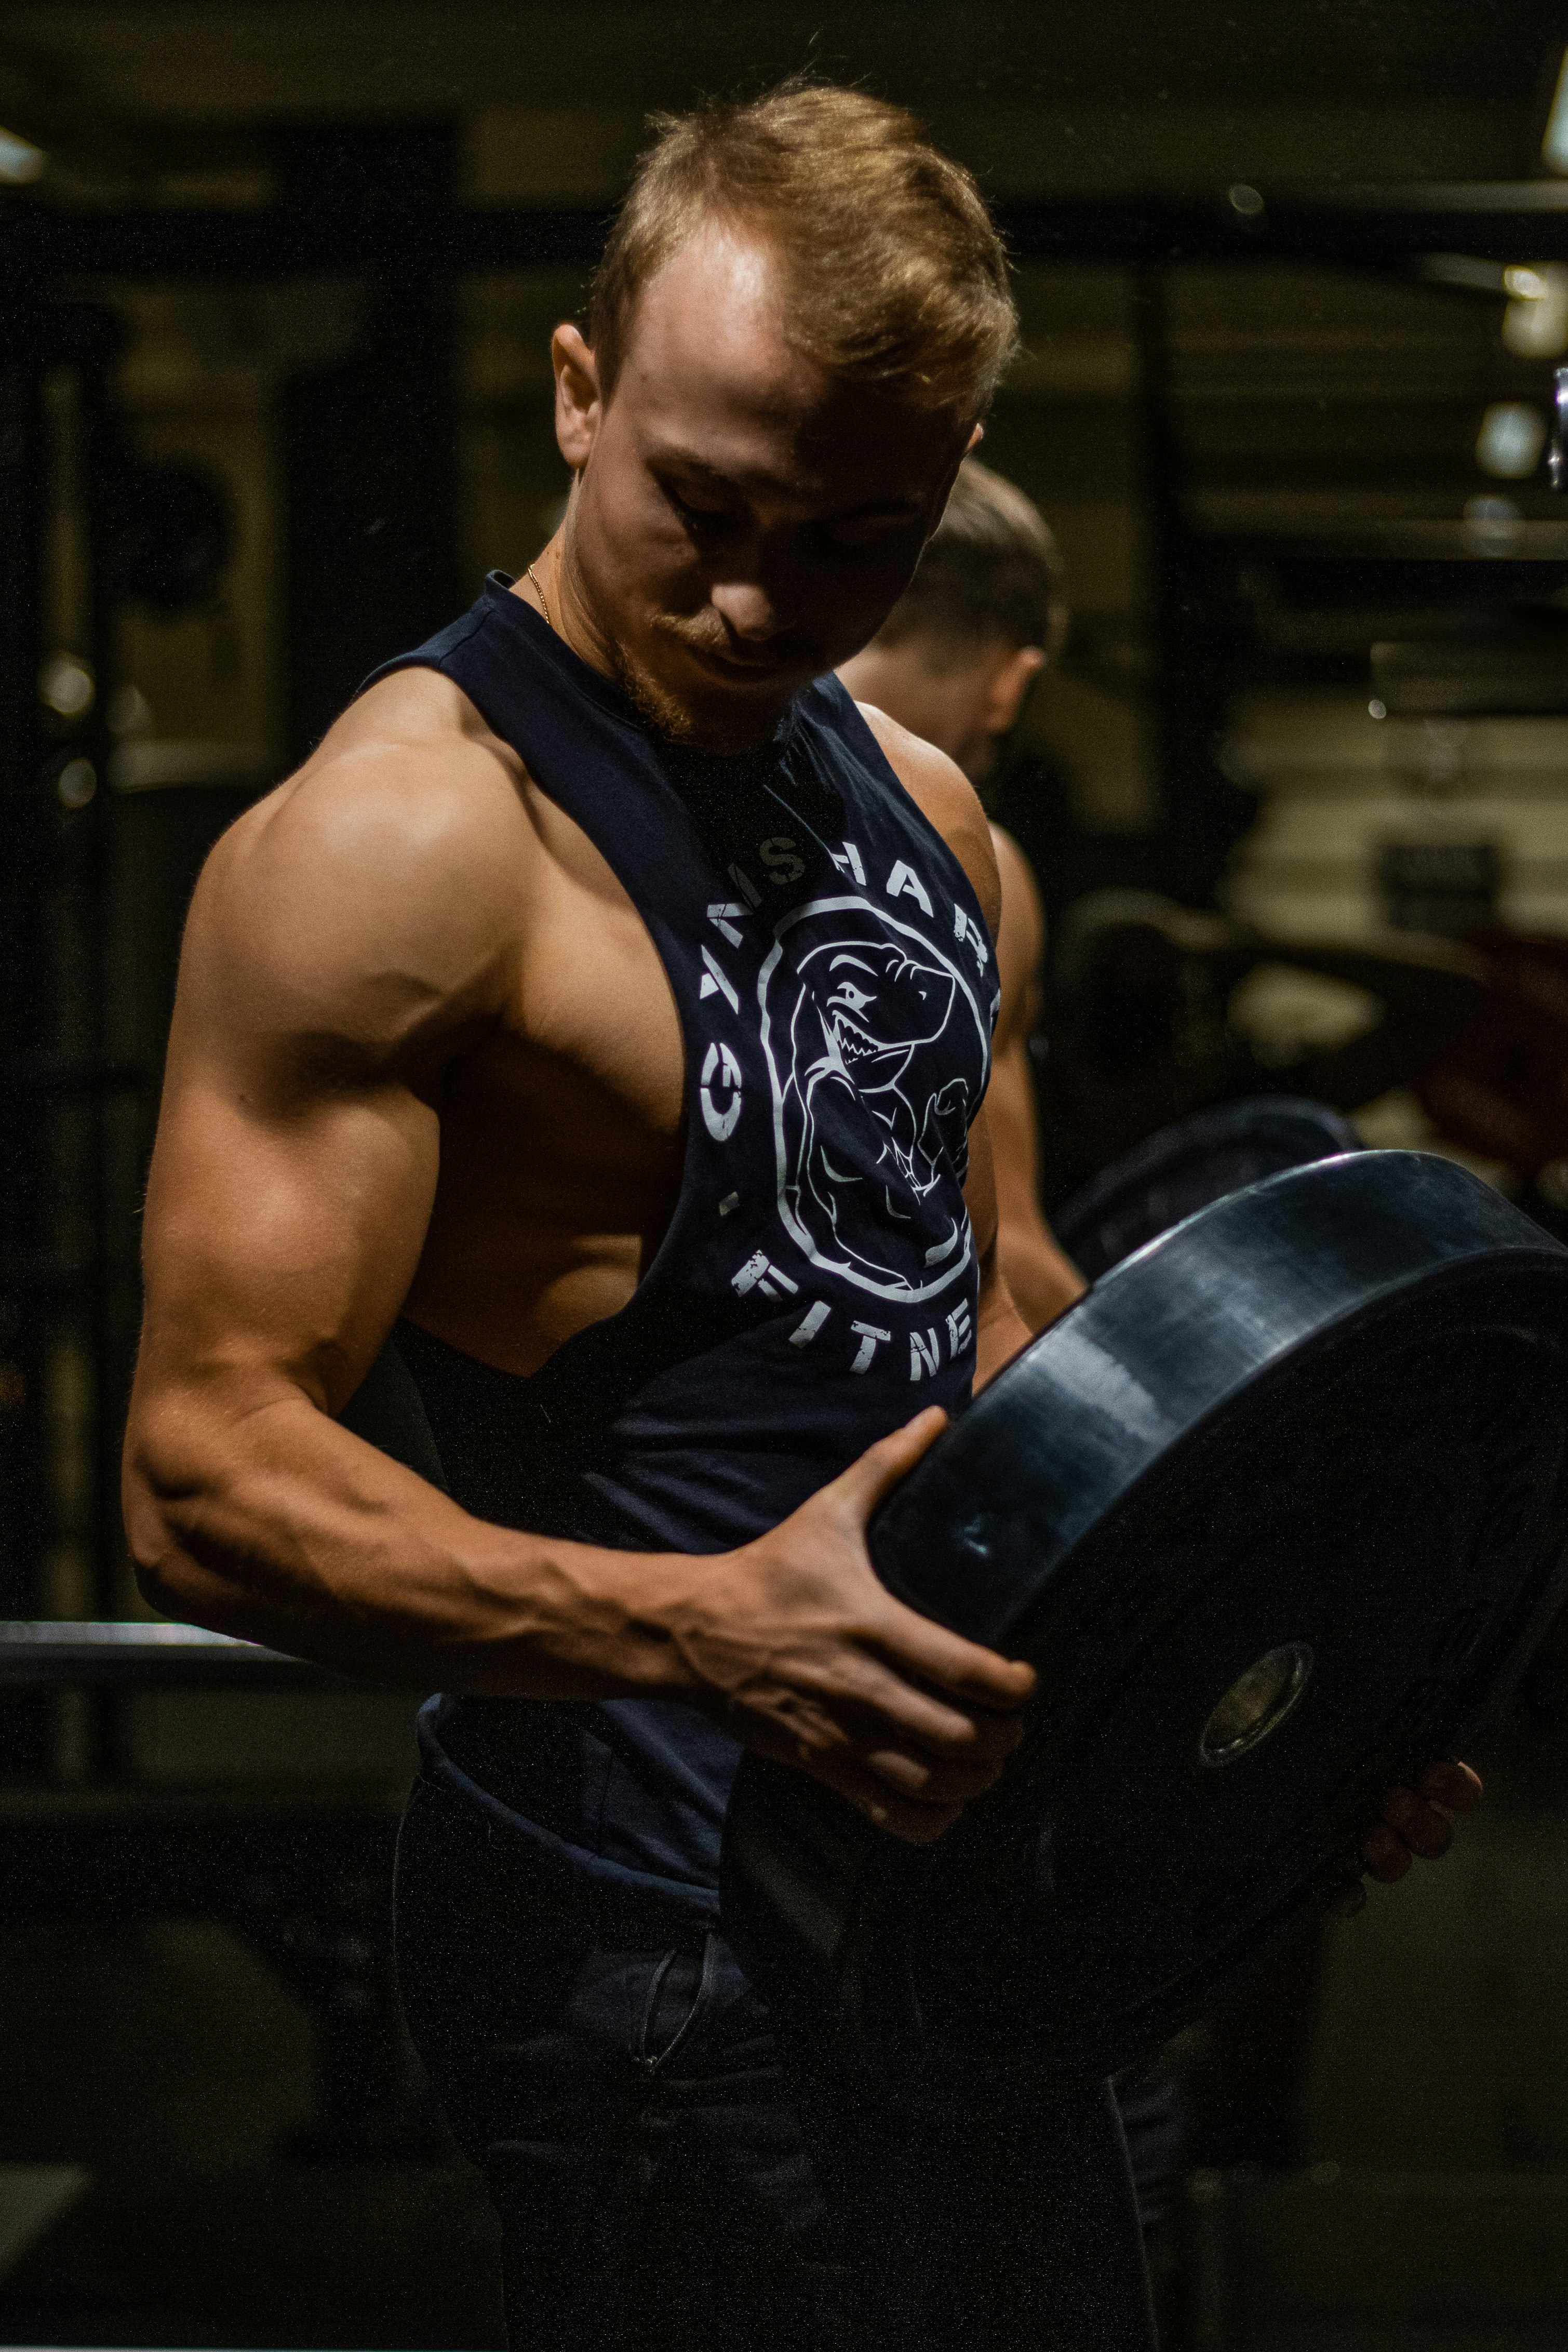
(953, 662)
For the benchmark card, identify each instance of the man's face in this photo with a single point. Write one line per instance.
(743, 521)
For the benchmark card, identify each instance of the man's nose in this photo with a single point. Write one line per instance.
(752, 608)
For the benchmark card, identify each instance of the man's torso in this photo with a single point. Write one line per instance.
(563, 1123)
(699, 1234)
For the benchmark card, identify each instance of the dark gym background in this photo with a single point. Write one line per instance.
(276, 286)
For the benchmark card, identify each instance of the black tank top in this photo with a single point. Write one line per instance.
(817, 1285)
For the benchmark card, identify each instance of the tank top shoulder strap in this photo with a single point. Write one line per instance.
(574, 730)
(642, 803)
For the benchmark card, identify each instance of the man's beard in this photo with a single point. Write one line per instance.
(673, 718)
(654, 703)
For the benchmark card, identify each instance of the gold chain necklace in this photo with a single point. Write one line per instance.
(544, 600)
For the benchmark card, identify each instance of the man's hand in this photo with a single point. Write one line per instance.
(1413, 1825)
(797, 1648)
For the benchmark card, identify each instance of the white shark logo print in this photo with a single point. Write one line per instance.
(878, 1052)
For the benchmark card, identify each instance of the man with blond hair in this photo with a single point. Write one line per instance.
(576, 1084)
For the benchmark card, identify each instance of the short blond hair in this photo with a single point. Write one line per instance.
(896, 276)
(990, 572)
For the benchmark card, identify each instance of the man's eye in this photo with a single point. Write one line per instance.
(699, 517)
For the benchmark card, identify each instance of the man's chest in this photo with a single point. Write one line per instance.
(580, 1090)
(813, 1028)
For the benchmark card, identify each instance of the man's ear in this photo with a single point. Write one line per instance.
(1014, 674)
(578, 404)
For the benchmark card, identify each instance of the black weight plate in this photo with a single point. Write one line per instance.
(1186, 1167)
(1319, 1431)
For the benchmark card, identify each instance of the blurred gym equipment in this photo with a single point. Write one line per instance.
(302, 1871)
(1140, 1031)
(1183, 1168)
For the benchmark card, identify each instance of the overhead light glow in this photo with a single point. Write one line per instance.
(65, 683)
(1554, 146)
(76, 783)
(1535, 323)
(20, 160)
(1512, 436)
(1492, 526)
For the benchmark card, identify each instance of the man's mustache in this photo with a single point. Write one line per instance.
(786, 651)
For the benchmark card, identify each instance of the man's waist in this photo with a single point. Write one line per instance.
(628, 1794)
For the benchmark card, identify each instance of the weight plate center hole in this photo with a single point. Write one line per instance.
(1256, 1705)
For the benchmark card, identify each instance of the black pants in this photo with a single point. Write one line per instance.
(668, 2179)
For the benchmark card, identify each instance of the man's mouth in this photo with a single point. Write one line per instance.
(738, 666)
(763, 665)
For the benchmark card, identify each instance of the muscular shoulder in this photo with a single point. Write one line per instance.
(375, 898)
(944, 794)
